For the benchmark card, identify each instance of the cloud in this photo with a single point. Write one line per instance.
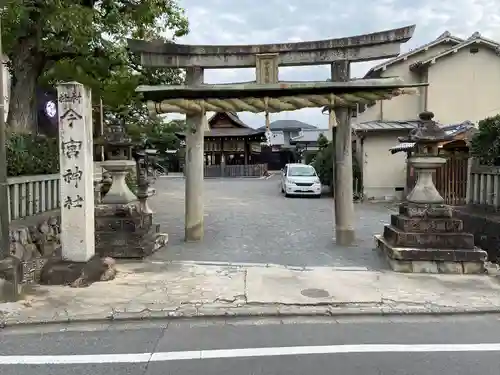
(274, 21)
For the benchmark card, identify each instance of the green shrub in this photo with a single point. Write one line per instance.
(324, 167)
(29, 154)
(485, 144)
(309, 156)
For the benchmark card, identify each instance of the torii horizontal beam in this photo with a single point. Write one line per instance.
(283, 96)
(366, 47)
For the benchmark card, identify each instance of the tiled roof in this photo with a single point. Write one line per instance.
(451, 130)
(229, 132)
(288, 125)
(445, 37)
(311, 136)
(233, 116)
(475, 38)
(384, 125)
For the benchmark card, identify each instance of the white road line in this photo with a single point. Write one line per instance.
(241, 353)
(74, 359)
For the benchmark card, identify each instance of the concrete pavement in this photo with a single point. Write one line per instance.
(186, 289)
(448, 346)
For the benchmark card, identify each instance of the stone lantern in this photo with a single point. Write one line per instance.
(425, 237)
(118, 149)
(124, 224)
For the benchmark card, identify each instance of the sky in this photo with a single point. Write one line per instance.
(277, 21)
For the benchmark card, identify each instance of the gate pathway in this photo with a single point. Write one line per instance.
(248, 220)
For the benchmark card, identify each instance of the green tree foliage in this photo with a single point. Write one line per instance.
(322, 142)
(324, 163)
(486, 143)
(48, 41)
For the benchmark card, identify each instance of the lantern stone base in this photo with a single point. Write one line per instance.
(426, 238)
(123, 231)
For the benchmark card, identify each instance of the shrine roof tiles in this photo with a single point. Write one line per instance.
(230, 132)
(384, 125)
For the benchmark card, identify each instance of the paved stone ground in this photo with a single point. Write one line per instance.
(248, 220)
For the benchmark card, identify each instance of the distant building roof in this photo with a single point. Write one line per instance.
(288, 125)
(310, 136)
(370, 126)
(232, 116)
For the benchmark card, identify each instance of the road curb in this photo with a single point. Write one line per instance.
(248, 311)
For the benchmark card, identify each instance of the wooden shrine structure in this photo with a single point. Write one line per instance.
(269, 95)
(231, 147)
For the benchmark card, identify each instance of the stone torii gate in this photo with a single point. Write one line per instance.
(267, 95)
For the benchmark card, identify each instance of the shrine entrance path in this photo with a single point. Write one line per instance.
(249, 221)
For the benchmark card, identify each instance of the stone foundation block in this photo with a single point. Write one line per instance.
(424, 267)
(450, 267)
(424, 260)
(404, 266)
(431, 225)
(452, 240)
(414, 210)
(122, 231)
(419, 254)
(473, 267)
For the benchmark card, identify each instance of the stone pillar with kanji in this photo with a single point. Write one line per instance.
(76, 169)
(78, 264)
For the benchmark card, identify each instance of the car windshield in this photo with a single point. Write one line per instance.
(305, 171)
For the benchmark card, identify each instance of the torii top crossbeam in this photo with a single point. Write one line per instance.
(268, 94)
(366, 47)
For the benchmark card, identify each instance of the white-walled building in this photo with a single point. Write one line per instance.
(464, 85)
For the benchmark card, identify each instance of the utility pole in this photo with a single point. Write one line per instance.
(4, 198)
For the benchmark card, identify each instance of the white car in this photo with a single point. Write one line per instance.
(300, 179)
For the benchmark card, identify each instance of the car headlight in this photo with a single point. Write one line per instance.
(317, 181)
(287, 181)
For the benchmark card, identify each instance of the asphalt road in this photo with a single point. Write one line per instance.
(416, 346)
(248, 220)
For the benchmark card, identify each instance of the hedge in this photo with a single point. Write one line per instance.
(30, 155)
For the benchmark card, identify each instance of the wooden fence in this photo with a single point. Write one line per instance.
(31, 195)
(249, 170)
(451, 180)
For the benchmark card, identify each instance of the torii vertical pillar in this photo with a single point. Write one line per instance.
(344, 206)
(194, 210)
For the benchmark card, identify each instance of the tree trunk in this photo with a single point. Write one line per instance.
(27, 65)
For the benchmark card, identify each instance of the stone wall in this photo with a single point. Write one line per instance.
(485, 226)
(34, 240)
